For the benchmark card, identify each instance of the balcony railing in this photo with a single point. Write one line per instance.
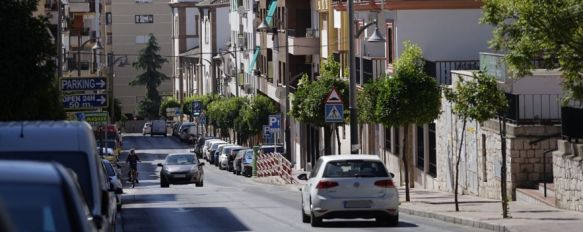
(534, 108)
(72, 64)
(441, 70)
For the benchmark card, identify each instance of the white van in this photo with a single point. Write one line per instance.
(72, 144)
(158, 128)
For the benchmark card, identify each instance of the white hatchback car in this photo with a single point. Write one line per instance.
(349, 186)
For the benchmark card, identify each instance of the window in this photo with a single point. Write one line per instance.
(142, 39)
(388, 139)
(397, 141)
(354, 168)
(316, 168)
(420, 148)
(432, 151)
(108, 18)
(109, 38)
(196, 24)
(206, 31)
(390, 43)
(144, 18)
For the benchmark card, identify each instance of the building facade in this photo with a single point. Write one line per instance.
(132, 23)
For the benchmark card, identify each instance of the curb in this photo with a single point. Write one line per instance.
(455, 220)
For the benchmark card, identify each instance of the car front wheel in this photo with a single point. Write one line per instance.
(163, 182)
(305, 217)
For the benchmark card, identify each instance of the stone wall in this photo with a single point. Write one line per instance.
(568, 175)
(481, 157)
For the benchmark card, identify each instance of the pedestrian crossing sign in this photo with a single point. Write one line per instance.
(334, 113)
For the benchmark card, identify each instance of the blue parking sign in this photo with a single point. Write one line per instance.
(274, 122)
(266, 132)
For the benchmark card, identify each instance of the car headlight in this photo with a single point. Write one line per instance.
(194, 169)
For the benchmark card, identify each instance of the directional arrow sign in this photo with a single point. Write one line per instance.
(85, 101)
(83, 83)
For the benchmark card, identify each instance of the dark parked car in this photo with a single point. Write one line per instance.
(271, 149)
(181, 168)
(239, 160)
(199, 144)
(72, 144)
(175, 129)
(231, 157)
(43, 196)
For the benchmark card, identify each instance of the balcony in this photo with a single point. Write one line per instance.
(81, 6)
(527, 109)
(270, 89)
(373, 67)
(494, 65)
(441, 70)
(303, 42)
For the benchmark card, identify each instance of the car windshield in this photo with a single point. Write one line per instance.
(109, 169)
(354, 168)
(77, 161)
(180, 160)
(214, 146)
(31, 211)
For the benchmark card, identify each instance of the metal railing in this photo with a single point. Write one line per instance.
(275, 164)
(441, 70)
(534, 108)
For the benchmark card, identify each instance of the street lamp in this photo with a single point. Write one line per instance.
(111, 64)
(375, 37)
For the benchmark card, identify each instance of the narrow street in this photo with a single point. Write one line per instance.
(226, 202)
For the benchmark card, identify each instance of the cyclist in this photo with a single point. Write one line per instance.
(133, 160)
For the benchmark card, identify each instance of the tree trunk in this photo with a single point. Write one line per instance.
(457, 166)
(327, 144)
(405, 162)
(338, 139)
(502, 122)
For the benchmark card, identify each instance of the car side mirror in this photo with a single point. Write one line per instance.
(303, 176)
(160, 165)
(392, 174)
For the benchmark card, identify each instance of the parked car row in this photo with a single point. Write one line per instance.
(53, 179)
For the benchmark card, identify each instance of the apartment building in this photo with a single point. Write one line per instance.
(132, 21)
(185, 40)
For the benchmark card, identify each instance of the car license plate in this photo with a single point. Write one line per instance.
(357, 204)
(180, 176)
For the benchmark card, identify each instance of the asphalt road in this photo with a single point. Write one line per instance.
(226, 202)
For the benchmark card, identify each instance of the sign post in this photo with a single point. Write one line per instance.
(275, 125)
(334, 109)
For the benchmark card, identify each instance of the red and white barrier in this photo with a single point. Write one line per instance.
(274, 164)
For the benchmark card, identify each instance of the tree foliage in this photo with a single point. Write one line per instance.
(30, 89)
(308, 101)
(168, 102)
(550, 31)
(206, 100)
(256, 114)
(223, 113)
(476, 99)
(150, 61)
(366, 100)
(409, 96)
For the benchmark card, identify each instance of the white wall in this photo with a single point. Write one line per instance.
(443, 34)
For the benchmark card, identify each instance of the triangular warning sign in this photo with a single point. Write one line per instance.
(334, 114)
(333, 97)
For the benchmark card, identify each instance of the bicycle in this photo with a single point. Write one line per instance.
(133, 177)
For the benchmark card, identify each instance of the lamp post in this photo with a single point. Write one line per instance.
(375, 37)
(112, 61)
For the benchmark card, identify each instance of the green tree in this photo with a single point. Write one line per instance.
(550, 31)
(150, 61)
(477, 98)
(254, 115)
(224, 112)
(168, 102)
(27, 68)
(408, 97)
(308, 101)
(366, 101)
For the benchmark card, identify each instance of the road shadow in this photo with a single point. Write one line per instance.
(129, 199)
(181, 219)
(363, 224)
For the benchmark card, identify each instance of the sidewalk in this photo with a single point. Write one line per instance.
(487, 214)
(479, 212)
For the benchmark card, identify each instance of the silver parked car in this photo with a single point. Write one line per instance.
(114, 180)
(181, 168)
